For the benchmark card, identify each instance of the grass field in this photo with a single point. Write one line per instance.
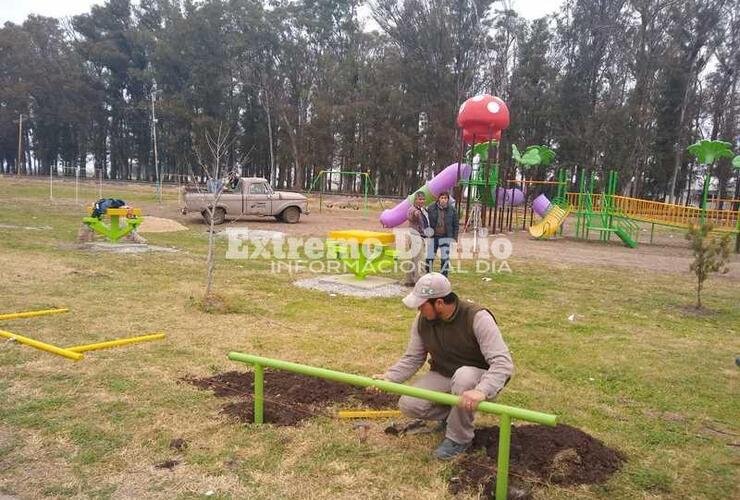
(636, 368)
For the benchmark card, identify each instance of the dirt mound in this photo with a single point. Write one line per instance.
(152, 224)
(560, 455)
(289, 398)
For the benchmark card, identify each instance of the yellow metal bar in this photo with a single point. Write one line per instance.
(121, 212)
(42, 346)
(116, 343)
(368, 413)
(31, 314)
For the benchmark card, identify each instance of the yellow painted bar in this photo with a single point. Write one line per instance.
(121, 212)
(42, 346)
(361, 236)
(116, 343)
(368, 413)
(31, 314)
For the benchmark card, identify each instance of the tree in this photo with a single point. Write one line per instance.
(217, 145)
(711, 255)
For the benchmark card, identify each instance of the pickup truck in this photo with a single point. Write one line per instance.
(250, 196)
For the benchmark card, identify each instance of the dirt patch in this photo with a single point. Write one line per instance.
(692, 310)
(289, 398)
(560, 455)
(167, 464)
(178, 444)
(160, 225)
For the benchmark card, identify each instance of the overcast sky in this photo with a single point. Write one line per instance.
(17, 10)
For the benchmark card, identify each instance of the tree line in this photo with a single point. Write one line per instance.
(306, 85)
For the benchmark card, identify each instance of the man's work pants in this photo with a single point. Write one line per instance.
(459, 421)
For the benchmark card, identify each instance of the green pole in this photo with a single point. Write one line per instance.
(366, 182)
(502, 468)
(259, 394)
(704, 195)
(383, 385)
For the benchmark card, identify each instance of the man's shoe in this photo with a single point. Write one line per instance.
(449, 449)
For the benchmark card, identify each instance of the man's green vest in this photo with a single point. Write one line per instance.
(452, 343)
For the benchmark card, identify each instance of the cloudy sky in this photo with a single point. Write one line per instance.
(16, 10)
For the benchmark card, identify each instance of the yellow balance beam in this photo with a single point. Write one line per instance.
(42, 346)
(115, 343)
(368, 413)
(31, 314)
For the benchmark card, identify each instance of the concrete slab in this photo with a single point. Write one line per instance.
(369, 283)
(123, 247)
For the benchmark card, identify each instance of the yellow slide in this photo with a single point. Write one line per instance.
(554, 218)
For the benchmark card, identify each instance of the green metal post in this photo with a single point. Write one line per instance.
(259, 394)
(502, 468)
(704, 195)
(365, 183)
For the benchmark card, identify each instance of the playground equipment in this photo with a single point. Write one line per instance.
(608, 219)
(621, 212)
(363, 252)
(553, 218)
(506, 413)
(365, 184)
(443, 181)
(486, 200)
(73, 353)
(113, 230)
(553, 212)
(483, 117)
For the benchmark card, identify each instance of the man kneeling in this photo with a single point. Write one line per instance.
(468, 357)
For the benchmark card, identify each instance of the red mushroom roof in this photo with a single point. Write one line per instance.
(481, 113)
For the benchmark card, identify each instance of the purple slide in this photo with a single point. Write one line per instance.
(443, 181)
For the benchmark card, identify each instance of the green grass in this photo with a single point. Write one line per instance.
(632, 357)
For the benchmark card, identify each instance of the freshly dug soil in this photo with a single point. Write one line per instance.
(289, 398)
(560, 455)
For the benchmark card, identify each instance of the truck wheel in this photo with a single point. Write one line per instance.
(291, 215)
(219, 216)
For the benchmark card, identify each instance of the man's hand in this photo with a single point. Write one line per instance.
(469, 399)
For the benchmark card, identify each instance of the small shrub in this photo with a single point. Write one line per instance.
(711, 255)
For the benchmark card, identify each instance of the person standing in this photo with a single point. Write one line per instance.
(418, 219)
(443, 221)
